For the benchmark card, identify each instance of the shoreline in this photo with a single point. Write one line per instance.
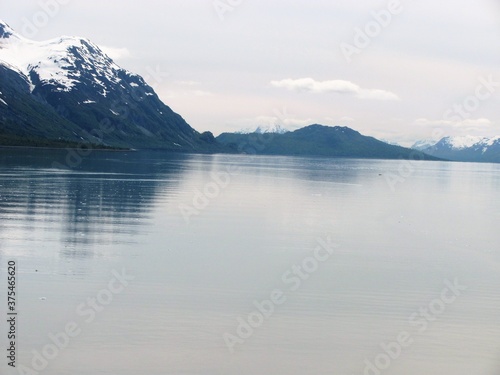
(66, 148)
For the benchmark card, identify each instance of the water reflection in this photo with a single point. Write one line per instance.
(106, 199)
(193, 280)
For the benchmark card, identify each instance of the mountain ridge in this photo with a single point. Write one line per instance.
(463, 148)
(74, 78)
(318, 140)
(66, 90)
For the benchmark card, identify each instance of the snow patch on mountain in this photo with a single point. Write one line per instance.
(491, 141)
(389, 142)
(1, 99)
(76, 86)
(423, 144)
(277, 129)
(59, 61)
(458, 142)
(463, 148)
(462, 142)
(468, 142)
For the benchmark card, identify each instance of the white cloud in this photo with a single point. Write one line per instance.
(401, 57)
(116, 53)
(335, 86)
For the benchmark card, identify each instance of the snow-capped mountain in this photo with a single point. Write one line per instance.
(423, 144)
(60, 62)
(263, 129)
(464, 148)
(75, 90)
(392, 143)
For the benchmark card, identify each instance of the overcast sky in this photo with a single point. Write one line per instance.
(228, 65)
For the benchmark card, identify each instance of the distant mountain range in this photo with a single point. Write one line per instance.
(318, 140)
(463, 148)
(68, 90)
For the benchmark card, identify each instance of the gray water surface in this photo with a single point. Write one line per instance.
(207, 237)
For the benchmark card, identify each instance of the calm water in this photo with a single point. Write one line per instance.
(205, 237)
